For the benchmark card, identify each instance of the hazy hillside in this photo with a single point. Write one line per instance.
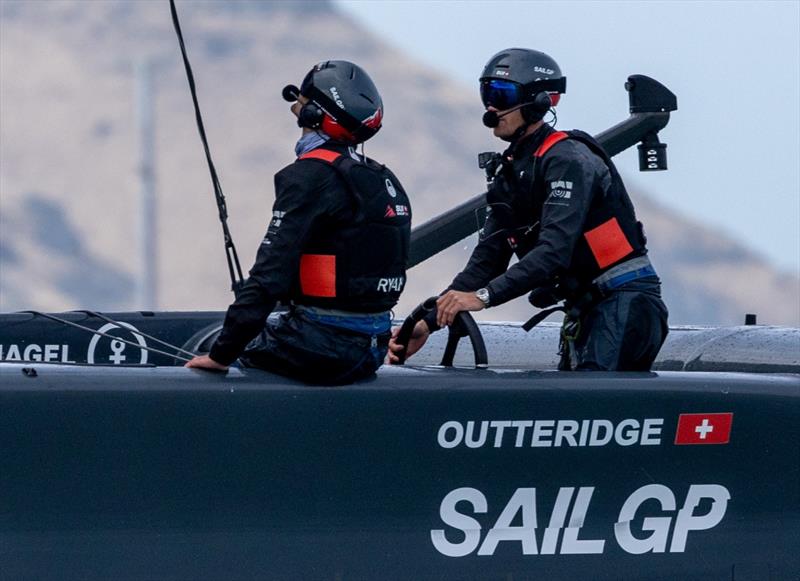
(69, 155)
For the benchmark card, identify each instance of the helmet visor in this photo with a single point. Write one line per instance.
(500, 94)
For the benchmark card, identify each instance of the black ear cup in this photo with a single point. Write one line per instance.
(310, 116)
(542, 102)
(537, 108)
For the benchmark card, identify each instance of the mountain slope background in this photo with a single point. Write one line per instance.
(69, 158)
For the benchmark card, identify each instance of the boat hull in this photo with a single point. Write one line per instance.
(422, 473)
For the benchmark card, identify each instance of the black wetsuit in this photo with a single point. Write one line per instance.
(325, 337)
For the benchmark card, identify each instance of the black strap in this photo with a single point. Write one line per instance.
(541, 316)
(574, 309)
(360, 131)
(342, 165)
(554, 85)
(234, 268)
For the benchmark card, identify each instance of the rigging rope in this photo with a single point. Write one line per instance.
(234, 268)
(112, 337)
(145, 335)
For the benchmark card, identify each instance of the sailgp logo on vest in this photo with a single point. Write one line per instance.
(561, 189)
(395, 283)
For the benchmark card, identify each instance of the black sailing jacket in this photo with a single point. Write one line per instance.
(565, 214)
(316, 216)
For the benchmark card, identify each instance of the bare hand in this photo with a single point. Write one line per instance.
(205, 362)
(453, 302)
(419, 335)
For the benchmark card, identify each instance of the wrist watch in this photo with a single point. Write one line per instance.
(483, 295)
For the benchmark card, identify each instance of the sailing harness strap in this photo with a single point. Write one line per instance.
(571, 327)
(574, 308)
(234, 268)
(608, 244)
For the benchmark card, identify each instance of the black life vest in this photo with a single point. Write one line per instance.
(360, 267)
(611, 233)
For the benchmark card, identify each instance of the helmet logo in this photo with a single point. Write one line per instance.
(390, 188)
(337, 98)
(544, 70)
(374, 120)
(501, 73)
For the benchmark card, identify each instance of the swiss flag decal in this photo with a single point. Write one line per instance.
(704, 429)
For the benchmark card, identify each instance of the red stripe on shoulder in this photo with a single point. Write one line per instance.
(321, 154)
(549, 142)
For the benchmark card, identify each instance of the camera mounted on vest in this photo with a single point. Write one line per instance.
(490, 162)
(496, 165)
(519, 78)
(343, 102)
(499, 196)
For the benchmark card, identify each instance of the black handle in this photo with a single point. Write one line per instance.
(465, 326)
(404, 335)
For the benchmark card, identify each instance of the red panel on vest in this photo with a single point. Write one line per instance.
(318, 275)
(549, 142)
(608, 243)
(323, 154)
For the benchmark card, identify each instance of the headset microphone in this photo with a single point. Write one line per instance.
(290, 93)
(492, 118)
(542, 101)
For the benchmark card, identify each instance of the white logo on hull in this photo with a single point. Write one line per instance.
(519, 523)
(34, 352)
(117, 348)
(550, 433)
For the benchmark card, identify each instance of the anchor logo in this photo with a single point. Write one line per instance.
(116, 349)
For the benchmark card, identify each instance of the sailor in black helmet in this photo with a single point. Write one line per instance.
(557, 202)
(335, 250)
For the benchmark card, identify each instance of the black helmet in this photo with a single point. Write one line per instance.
(344, 102)
(518, 76)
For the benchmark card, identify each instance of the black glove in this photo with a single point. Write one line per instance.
(545, 296)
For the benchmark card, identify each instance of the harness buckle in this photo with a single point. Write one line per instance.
(571, 329)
